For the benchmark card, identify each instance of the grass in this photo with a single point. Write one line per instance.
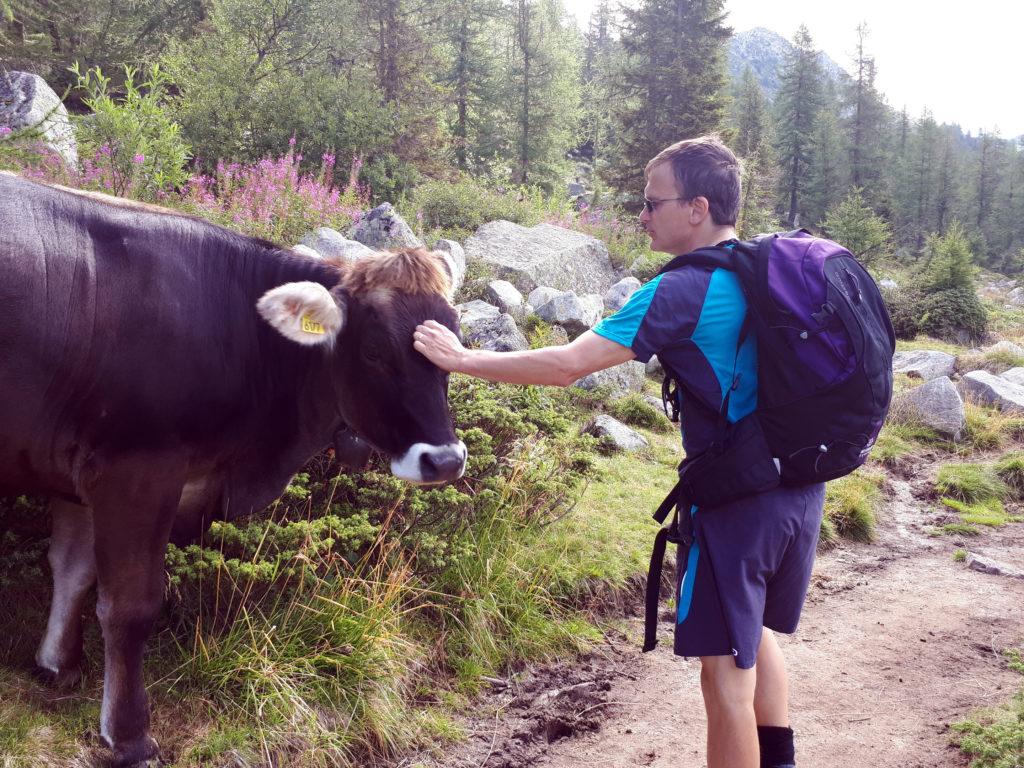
(850, 508)
(960, 555)
(994, 738)
(926, 342)
(970, 482)
(632, 409)
(1010, 469)
(960, 529)
(986, 512)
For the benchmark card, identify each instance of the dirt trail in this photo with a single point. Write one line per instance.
(897, 641)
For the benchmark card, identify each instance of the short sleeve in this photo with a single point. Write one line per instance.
(660, 314)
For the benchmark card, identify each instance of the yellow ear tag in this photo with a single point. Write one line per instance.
(312, 326)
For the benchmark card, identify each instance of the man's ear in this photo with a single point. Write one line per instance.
(699, 210)
(306, 312)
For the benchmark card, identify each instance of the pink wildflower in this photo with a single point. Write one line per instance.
(139, 159)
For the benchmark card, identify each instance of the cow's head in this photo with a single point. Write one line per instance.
(391, 395)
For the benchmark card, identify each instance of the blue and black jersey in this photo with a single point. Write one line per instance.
(691, 319)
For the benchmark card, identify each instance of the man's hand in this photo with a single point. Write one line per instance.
(439, 345)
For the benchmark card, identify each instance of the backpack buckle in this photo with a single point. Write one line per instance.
(825, 314)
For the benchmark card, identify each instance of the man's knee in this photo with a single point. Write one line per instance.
(725, 685)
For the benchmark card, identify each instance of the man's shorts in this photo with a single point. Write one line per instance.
(748, 567)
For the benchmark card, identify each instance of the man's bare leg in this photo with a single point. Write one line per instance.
(729, 701)
(771, 694)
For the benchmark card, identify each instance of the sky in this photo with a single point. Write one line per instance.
(961, 60)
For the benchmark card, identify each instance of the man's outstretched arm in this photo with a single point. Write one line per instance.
(557, 366)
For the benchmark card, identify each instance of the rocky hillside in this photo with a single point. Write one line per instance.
(765, 51)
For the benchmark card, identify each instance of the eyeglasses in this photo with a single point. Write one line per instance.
(651, 205)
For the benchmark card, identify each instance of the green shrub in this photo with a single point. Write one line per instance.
(129, 144)
(633, 409)
(853, 223)
(955, 315)
(904, 311)
(970, 483)
(994, 738)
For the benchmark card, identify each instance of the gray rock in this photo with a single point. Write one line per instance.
(620, 436)
(923, 364)
(475, 311)
(938, 405)
(305, 250)
(331, 244)
(994, 390)
(574, 313)
(27, 102)
(383, 228)
(542, 295)
(627, 377)
(455, 260)
(654, 367)
(543, 255)
(1007, 348)
(994, 567)
(888, 284)
(655, 403)
(503, 295)
(499, 334)
(575, 189)
(1014, 375)
(1015, 297)
(619, 294)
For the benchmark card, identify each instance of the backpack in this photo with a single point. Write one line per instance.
(825, 347)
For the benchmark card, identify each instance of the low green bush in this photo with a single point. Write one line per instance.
(904, 311)
(955, 314)
(634, 410)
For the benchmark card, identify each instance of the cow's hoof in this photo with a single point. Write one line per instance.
(143, 753)
(62, 679)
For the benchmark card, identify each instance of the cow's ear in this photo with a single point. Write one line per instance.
(304, 312)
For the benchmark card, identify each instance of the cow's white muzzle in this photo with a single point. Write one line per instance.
(428, 464)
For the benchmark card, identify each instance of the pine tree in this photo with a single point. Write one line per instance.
(866, 123)
(923, 175)
(753, 143)
(856, 226)
(671, 83)
(797, 105)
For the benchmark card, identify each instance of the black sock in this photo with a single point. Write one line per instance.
(776, 745)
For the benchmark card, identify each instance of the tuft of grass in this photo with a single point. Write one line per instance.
(970, 483)
(889, 448)
(960, 529)
(994, 738)
(1010, 469)
(985, 512)
(850, 507)
(27, 737)
(634, 410)
(926, 342)
(960, 555)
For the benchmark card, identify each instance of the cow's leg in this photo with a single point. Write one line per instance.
(132, 515)
(73, 564)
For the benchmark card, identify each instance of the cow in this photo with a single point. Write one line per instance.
(158, 372)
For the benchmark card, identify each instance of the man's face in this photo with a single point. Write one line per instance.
(668, 225)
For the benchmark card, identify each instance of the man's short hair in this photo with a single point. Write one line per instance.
(705, 167)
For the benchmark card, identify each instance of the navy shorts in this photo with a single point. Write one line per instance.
(748, 567)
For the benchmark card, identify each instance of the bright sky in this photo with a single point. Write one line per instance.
(963, 60)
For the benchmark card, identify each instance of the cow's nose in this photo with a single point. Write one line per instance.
(443, 463)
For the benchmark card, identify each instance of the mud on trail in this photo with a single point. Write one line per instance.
(897, 641)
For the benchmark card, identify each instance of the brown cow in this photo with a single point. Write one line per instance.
(157, 370)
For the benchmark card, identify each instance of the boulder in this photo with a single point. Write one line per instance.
(994, 567)
(455, 259)
(499, 333)
(923, 364)
(383, 228)
(473, 312)
(574, 313)
(27, 102)
(1015, 297)
(503, 295)
(1014, 375)
(654, 367)
(619, 294)
(988, 388)
(543, 255)
(615, 434)
(1005, 347)
(627, 377)
(542, 295)
(305, 250)
(331, 244)
(938, 405)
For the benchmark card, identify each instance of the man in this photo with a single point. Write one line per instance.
(753, 576)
